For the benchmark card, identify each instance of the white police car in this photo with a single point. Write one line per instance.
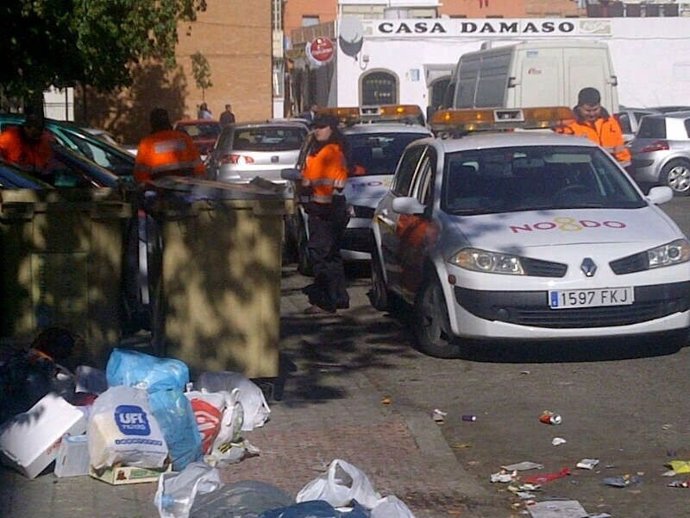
(525, 235)
(376, 137)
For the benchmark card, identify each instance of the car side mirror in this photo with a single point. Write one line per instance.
(291, 174)
(660, 194)
(408, 205)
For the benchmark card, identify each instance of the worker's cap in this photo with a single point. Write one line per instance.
(589, 96)
(159, 117)
(325, 121)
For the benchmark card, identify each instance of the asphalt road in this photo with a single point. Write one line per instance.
(622, 402)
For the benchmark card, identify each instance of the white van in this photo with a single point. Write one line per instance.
(533, 73)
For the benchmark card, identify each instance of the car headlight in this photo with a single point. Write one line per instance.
(675, 252)
(488, 262)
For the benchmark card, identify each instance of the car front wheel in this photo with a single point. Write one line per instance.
(676, 174)
(431, 324)
(378, 295)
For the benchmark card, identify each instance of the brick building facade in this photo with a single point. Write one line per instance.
(234, 37)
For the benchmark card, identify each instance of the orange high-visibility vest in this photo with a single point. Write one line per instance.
(605, 131)
(325, 172)
(32, 156)
(167, 153)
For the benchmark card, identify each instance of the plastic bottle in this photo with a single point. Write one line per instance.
(176, 491)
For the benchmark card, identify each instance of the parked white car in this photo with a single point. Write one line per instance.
(526, 235)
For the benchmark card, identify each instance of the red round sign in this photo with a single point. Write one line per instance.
(322, 49)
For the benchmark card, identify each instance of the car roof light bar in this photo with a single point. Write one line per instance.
(374, 113)
(463, 121)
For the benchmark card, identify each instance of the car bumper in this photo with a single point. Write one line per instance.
(357, 240)
(644, 171)
(526, 314)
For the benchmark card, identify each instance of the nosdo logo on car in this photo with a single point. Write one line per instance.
(567, 224)
(132, 420)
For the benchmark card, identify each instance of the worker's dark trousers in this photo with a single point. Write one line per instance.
(327, 224)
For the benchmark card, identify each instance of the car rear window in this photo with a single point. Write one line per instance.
(652, 127)
(268, 139)
(204, 131)
(377, 154)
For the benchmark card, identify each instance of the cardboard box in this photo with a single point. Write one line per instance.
(118, 475)
(73, 456)
(30, 441)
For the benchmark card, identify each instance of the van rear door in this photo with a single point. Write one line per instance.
(590, 67)
(553, 76)
(539, 80)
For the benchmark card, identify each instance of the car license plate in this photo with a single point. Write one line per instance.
(568, 299)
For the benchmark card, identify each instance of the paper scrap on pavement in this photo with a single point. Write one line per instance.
(588, 463)
(558, 509)
(679, 466)
(523, 466)
(503, 477)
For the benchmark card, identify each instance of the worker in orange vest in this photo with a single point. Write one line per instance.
(29, 146)
(323, 181)
(594, 122)
(166, 152)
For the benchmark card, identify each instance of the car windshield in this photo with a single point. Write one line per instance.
(484, 181)
(268, 138)
(377, 154)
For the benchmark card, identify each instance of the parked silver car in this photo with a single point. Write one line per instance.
(244, 151)
(630, 118)
(661, 151)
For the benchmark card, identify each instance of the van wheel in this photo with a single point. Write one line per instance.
(676, 174)
(379, 296)
(431, 324)
(304, 265)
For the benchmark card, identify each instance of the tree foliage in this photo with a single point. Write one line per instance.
(201, 70)
(93, 42)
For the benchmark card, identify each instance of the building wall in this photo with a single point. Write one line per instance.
(510, 8)
(648, 80)
(235, 38)
(293, 10)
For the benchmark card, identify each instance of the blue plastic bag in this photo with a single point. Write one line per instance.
(175, 416)
(315, 509)
(136, 369)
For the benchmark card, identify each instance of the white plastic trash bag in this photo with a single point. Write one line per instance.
(256, 410)
(391, 507)
(123, 430)
(177, 491)
(341, 484)
(232, 422)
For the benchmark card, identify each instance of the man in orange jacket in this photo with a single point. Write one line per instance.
(166, 152)
(594, 122)
(29, 146)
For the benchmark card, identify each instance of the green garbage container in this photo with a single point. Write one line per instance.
(219, 290)
(61, 265)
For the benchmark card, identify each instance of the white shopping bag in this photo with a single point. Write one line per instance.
(341, 484)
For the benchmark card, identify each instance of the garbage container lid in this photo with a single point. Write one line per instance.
(198, 189)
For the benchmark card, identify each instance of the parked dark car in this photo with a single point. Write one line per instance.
(82, 141)
(11, 177)
(203, 132)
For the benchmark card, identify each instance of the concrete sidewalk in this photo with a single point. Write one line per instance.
(331, 408)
